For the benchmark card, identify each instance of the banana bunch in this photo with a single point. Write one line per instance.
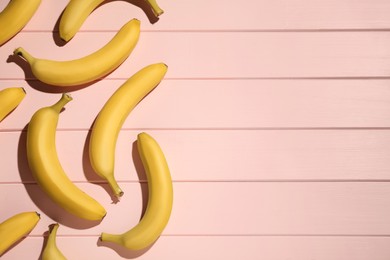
(76, 12)
(160, 200)
(110, 119)
(46, 167)
(51, 250)
(15, 16)
(15, 228)
(89, 68)
(10, 98)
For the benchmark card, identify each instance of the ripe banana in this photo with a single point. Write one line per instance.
(15, 228)
(15, 16)
(10, 98)
(46, 169)
(89, 68)
(109, 121)
(76, 12)
(51, 251)
(160, 198)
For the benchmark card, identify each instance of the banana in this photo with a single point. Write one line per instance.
(46, 169)
(160, 200)
(76, 12)
(10, 98)
(89, 68)
(15, 228)
(15, 16)
(110, 119)
(51, 251)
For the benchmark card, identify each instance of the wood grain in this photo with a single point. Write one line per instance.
(232, 15)
(239, 55)
(228, 155)
(227, 208)
(224, 104)
(215, 247)
(274, 118)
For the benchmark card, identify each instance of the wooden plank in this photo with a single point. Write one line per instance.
(216, 247)
(226, 208)
(240, 55)
(224, 104)
(232, 15)
(271, 155)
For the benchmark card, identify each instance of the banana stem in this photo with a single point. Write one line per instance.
(65, 98)
(53, 232)
(155, 7)
(115, 187)
(105, 237)
(24, 54)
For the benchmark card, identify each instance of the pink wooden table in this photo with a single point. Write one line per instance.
(274, 117)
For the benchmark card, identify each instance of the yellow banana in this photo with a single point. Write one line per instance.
(15, 16)
(15, 228)
(76, 12)
(51, 251)
(160, 200)
(89, 68)
(46, 169)
(10, 98)
(110, 119)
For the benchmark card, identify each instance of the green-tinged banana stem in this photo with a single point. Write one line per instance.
(65, 99)
(24, 54)
(117, 239)
(114, 186)
(155, 7)
(51, 250)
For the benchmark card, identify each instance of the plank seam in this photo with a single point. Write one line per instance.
(243, 30)
(373, 128)
(234, 235)
(220, 181)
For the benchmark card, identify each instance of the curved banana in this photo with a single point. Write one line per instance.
(76, 12)
(10, 98)
(15, 228)
(15, 16)
(46, 169)
(110, 119)
(89, 68)
(51, 251)
(160, 200)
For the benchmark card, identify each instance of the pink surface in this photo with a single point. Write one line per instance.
(277, 138)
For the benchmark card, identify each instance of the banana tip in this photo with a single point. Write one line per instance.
(65, 33)
(65, 37)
